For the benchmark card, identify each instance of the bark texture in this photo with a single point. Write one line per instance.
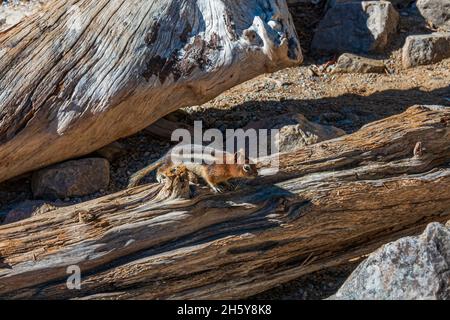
(331, 202)
(80, 74)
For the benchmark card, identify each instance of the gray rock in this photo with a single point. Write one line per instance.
(295, 131)
(356, 27)
(27, 209)
(411, 268)
(351, 63)
(426, 49)
(436, 12)
(71, 179)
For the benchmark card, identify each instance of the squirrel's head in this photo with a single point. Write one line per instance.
(246, 167)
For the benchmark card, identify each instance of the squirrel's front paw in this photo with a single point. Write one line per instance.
(218, 189)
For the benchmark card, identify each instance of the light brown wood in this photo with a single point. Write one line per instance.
(331, 202)
(80, 74)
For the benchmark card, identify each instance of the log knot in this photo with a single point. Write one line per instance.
(418, 150)
(86, 216)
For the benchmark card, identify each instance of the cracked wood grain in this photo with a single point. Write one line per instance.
(80, 74)
(331, 202)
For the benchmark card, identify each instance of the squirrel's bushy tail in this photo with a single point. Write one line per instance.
(138, 176)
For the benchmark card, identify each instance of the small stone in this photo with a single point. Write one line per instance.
(436, 12)
(357, 27)
(71, 179)
(351, 63)
(426, 49)
(295, 131)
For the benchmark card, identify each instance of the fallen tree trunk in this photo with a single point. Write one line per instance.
(81, 74)
(332, 201)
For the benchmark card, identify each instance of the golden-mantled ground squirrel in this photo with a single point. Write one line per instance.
(213, 166)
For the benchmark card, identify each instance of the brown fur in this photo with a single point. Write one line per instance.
(213, 174)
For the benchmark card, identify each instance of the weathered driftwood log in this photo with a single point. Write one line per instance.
(332, 201)
(80, 74)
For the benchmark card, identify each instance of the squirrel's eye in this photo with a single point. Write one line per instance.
(246, 168)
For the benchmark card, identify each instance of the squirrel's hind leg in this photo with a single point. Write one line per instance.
(165, 170)
(160, 177)
(193, 178)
